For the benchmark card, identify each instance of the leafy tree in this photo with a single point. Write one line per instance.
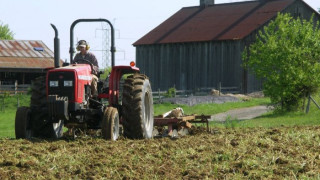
(286, 55)
(5, 32)
(106, 72)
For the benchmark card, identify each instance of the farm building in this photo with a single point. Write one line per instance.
(201, 46)
(23, 60)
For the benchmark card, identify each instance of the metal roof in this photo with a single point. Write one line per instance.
(23, 48)
(216, 22)
(23, 54)
(25, 62)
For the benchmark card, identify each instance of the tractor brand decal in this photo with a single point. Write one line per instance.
(83, 77)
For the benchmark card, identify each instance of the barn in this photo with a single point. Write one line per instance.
(23, 60)
(201, 47)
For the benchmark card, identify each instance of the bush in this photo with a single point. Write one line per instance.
(171, 92)
(286, 55)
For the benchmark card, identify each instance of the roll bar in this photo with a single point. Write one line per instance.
(72, 49)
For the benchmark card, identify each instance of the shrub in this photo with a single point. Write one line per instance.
(286, 55)
(171, 92)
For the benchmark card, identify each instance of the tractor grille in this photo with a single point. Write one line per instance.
(61, 84)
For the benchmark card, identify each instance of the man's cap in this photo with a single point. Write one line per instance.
(82, 43)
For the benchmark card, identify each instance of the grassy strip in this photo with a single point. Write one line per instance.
(285, 119)
(8, 107)
(210, 109)
(272, 120)
(7, 124)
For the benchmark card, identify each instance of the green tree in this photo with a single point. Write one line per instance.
(5, 32)
(106, 72)
(286, 56)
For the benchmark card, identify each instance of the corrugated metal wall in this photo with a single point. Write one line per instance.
(190, 66)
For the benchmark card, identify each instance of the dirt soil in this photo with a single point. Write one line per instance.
(251, 153)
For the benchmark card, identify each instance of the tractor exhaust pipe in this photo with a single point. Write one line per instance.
(56, 47)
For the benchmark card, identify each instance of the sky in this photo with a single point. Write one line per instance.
(132, 19)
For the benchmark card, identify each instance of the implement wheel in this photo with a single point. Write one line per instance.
(22, 123)
(110, 124)
(39, 112)
(137, 105)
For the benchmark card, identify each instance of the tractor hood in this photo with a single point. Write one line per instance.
(69, 81)
(82, 70)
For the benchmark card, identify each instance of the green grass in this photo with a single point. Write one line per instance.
(272, 120)
(209, 109)
(8, 107)
(285, 119)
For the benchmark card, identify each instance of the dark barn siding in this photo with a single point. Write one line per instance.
(189, 66)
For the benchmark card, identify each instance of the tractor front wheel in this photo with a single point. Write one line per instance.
(22, 123)
(110, 124)
(137, 105)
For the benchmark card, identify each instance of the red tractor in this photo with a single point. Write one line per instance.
(63, 99)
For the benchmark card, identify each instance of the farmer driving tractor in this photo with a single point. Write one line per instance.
(86, 57)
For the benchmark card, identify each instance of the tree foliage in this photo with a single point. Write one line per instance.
(5, 32)
(286, 56)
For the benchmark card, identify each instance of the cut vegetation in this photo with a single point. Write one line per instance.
(226, 153)
(274, 146)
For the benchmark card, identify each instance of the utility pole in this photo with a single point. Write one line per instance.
(105, 44)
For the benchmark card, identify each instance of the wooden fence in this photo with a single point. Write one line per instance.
(14, 88)
(159, 95)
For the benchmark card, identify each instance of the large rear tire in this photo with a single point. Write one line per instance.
(38, 92)
(137, 105)
(39, 109)
(22, 123)
(110, 124)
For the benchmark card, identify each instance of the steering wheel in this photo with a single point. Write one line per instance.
(85, 60)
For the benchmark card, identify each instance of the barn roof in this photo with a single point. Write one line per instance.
(24, 54)
(214, 22)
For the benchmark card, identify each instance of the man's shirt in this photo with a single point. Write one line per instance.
(91, 58)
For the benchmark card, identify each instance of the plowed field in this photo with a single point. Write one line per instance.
(251, 153)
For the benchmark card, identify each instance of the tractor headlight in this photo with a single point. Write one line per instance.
(67, 83)
(54, 84)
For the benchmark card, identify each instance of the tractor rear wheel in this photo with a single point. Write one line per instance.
(22, 123)
(110, 124)
(42, 126)
(38, 92)
(137, 105)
